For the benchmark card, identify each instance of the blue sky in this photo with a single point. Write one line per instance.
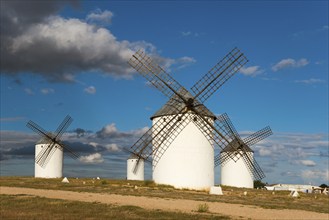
(70, 57)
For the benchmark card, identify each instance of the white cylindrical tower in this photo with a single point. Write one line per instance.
(131, 166)
(235, 172)
(54, 167)
(189, 160)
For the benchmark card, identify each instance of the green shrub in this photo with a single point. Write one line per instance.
(203, 207)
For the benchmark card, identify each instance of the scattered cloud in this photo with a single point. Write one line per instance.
(289, 174)
(183, 62)
(265, 152)
(324, 28)
(270, 79)
(28, 91)
(319, 62)
(99, 16)
(310, 81)
(186, 33)
(110, 131)
(92, 158)
(47, 91)
(190, 34)
(251, 71)
(80, 132)
(112, 147)
(309, 163)
(12, 119)
(291, 152)
(315, 175)
(289, 63)
(90, 90)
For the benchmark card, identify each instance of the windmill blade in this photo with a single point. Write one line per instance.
(36, 128)
(226, 121)
(253, 167)
(143, 147)
(155, 74)
(219, 74)
(159, 135)
(44, 160)
(223, 157)
(52, 141)
(47, 144)
(44, 153)
(258, 136)
(217, 160)
(217, 134)
(135, 168)
(174, 128)
(67, 150)
(214, 132)
(63, 126)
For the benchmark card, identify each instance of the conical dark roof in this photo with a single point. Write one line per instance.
(175, 105)
(234, 145)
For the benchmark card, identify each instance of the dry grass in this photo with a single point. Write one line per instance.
(29, 207)
(262, 198)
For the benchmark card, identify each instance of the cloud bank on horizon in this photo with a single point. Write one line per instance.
(291, 148)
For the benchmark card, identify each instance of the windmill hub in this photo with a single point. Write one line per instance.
(190, 103)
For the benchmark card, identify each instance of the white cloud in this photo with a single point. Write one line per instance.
(29, 91)
(190, 33)
(310, 81)
(92, 158)
(302, 62)
(112, 147)
(251, 71)
(309, 163)
(289, 63)
(94, 144)
(66, 46)
(265, 152)
(183, 62)
(186, 33)
(47, 91)
(69, 46)
(105, 17)
(315, 175)
(90, 90)
(109, 129)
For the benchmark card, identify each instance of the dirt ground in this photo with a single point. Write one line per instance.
(189, 206)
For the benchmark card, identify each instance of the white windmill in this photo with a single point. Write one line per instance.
(181, 141)
(49, 150)
(135, 172)
(237, 168)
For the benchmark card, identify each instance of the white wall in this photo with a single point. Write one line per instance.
(188, 162)
(236, 173)
(54, 167)
(139, 174)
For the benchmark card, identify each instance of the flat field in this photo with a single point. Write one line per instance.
(148, 192)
